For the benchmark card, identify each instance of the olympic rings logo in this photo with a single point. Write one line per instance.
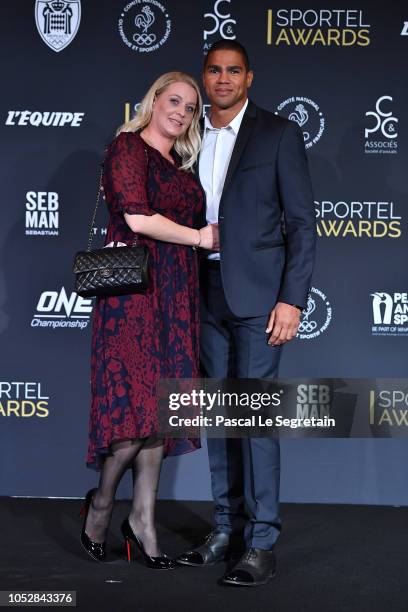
(144, 39)
(307, 326)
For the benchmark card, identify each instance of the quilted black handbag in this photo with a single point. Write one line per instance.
(116, 270)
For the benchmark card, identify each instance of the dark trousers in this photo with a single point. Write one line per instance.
(244, 471)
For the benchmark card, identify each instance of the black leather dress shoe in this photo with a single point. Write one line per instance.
(256, 567)
(213, 549)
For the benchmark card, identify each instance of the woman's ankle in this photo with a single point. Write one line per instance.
(100, 503)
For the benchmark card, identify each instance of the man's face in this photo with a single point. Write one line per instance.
(226, 80)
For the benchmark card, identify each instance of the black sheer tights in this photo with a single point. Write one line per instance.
(145, 457)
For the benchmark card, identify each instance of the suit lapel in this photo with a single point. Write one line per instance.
(247, 124)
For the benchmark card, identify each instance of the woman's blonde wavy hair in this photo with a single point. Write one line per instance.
(187, 145)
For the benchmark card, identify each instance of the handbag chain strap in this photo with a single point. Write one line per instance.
(98, 195)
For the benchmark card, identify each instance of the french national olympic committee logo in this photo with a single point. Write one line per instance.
(307, 114)
(316, 316)
(57, 21)
(144, 25)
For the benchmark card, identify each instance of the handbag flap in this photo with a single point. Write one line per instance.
(115, 258)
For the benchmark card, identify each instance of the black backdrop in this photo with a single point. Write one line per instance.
(325, 67)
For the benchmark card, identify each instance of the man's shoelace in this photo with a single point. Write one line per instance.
(209, 537)
(251, 554)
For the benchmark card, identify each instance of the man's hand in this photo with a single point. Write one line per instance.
(216, 236)
(210, 237)
(283, 324)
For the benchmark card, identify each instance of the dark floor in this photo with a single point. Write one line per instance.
(330, 558)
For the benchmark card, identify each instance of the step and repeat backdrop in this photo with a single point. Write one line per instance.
(73, 71)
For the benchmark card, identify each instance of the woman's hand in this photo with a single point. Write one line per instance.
(209, 237)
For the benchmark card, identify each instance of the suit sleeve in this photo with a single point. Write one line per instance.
(299, 217)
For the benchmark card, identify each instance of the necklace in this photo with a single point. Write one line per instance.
(149, 142)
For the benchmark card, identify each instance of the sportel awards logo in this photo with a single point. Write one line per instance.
(326, 27)
(384, 127)
(57, 21)
(58, 310)
(23, 399)
(307, 115)
(389, 406)
(144, 25)
(390, 314)
(131, 110)
(316, 317)
(220, 24)
(42, 214)
(44, 119)
(357, 219)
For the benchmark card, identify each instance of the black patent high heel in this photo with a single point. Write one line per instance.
(163, 562)
(97, 550)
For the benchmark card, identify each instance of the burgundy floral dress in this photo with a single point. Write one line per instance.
(138, 339)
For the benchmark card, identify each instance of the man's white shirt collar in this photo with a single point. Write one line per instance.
(234, 124)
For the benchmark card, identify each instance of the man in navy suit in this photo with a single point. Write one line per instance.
(254, 172)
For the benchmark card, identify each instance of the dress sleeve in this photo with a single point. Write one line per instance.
(125, 175)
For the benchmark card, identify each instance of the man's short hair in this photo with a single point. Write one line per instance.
(228, 45)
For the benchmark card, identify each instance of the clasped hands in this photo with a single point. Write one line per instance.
(209, 237)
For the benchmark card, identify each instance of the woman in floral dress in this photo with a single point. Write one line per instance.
(137, 339)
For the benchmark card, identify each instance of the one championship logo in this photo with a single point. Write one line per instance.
(307, 114)
(144, 25)
(58, 21)
(316, 317)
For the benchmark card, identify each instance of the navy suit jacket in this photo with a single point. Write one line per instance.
(266, 218)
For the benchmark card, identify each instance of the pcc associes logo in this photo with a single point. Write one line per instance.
(219, 23)
(381, 136)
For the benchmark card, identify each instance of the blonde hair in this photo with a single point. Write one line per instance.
(188, 144)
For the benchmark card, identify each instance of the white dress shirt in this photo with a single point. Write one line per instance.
(215, 155)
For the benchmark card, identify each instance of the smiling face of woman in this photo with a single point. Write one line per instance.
(174, 109)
